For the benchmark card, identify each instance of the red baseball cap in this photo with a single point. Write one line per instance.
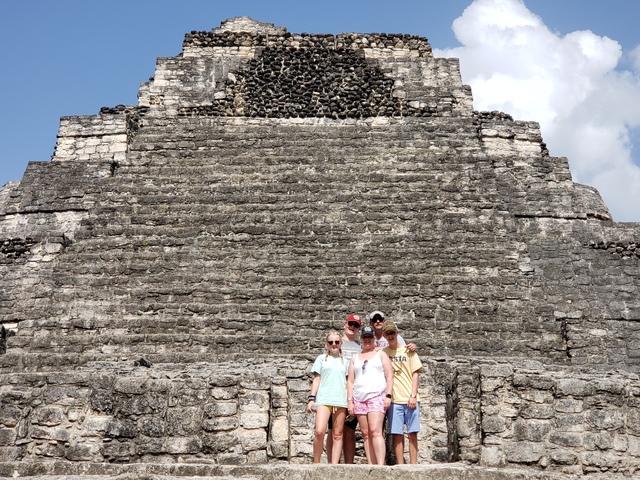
(354, 318)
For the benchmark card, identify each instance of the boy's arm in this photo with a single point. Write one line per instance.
(412, 402)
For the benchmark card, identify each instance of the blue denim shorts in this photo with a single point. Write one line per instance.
(400, 415)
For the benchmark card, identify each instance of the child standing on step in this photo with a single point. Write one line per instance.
(328, 396)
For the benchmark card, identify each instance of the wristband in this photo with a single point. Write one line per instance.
(311, 397)
(388, 395)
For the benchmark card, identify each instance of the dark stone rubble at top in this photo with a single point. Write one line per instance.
(354, 41)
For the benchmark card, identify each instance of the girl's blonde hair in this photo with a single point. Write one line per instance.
(334, 333)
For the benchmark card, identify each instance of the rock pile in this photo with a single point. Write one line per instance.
(352, 41)
(312, 82)
(12, 248)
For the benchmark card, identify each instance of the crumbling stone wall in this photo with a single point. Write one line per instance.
(513, 414)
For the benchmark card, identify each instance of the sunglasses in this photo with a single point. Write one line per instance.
(333, 342)
(377, 320)
(364, 365)
(353, 324)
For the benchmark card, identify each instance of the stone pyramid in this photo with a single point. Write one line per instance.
(167, 279)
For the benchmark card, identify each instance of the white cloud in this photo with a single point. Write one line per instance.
(572, 84)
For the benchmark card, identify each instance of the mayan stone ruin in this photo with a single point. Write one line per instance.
(168, 277)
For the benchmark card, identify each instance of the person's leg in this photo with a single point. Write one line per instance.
(412, 419)
(388, 441)
(375, 421)
(395, 431)
(398, 448)
(329, 447)
(338, 428)
(349, 444)
(364, 429)
(413, 447)
(322, 417)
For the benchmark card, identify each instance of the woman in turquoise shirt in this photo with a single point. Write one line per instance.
(328, 396)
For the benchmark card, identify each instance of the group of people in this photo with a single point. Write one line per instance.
(361, 383)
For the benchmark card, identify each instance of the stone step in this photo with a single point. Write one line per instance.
(118, 343)
(14, 365)
(75, 351)
(103, 471)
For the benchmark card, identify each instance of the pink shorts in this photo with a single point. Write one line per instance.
(373, 404)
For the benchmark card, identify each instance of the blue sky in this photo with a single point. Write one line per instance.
(576, 61)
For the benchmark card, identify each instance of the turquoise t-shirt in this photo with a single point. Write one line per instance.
(332, 391)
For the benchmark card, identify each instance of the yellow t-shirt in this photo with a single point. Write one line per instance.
(404, 363)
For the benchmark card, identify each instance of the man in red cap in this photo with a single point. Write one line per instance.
(350, 346)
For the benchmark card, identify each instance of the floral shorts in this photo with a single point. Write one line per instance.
(373, 404)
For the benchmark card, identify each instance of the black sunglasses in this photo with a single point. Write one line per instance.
(377, 320)
(364, 365)
(353, 324)
(333, 342)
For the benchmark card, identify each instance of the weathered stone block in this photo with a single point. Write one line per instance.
(152, 426)
(524, 452)
(219, 442)
(221, 409)
(81, 452)
(493, 424)
(7, 436)
(605, 419)
(48, 416)
(132, 386)
(601, 460)
(257, 457)
(492, 456)
(147, 403)
(10, 415)
(254, 420)
(218, 424)
(532, 430)
(56, 434)
(574, 387)
(253, 439)
(124, 428)
(182, 445)
(536, 410)
(564, 457)
(10, 454)
(224, 393)
(254, 402)
(232, 459)
(570, 422)
(103, 401)
(566, 439)
(568, 405)
(598, 441)
(183, 420)
(279, 449)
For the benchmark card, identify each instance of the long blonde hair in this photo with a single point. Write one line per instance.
(326, 339)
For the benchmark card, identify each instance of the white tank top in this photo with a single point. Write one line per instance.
(370, 380)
